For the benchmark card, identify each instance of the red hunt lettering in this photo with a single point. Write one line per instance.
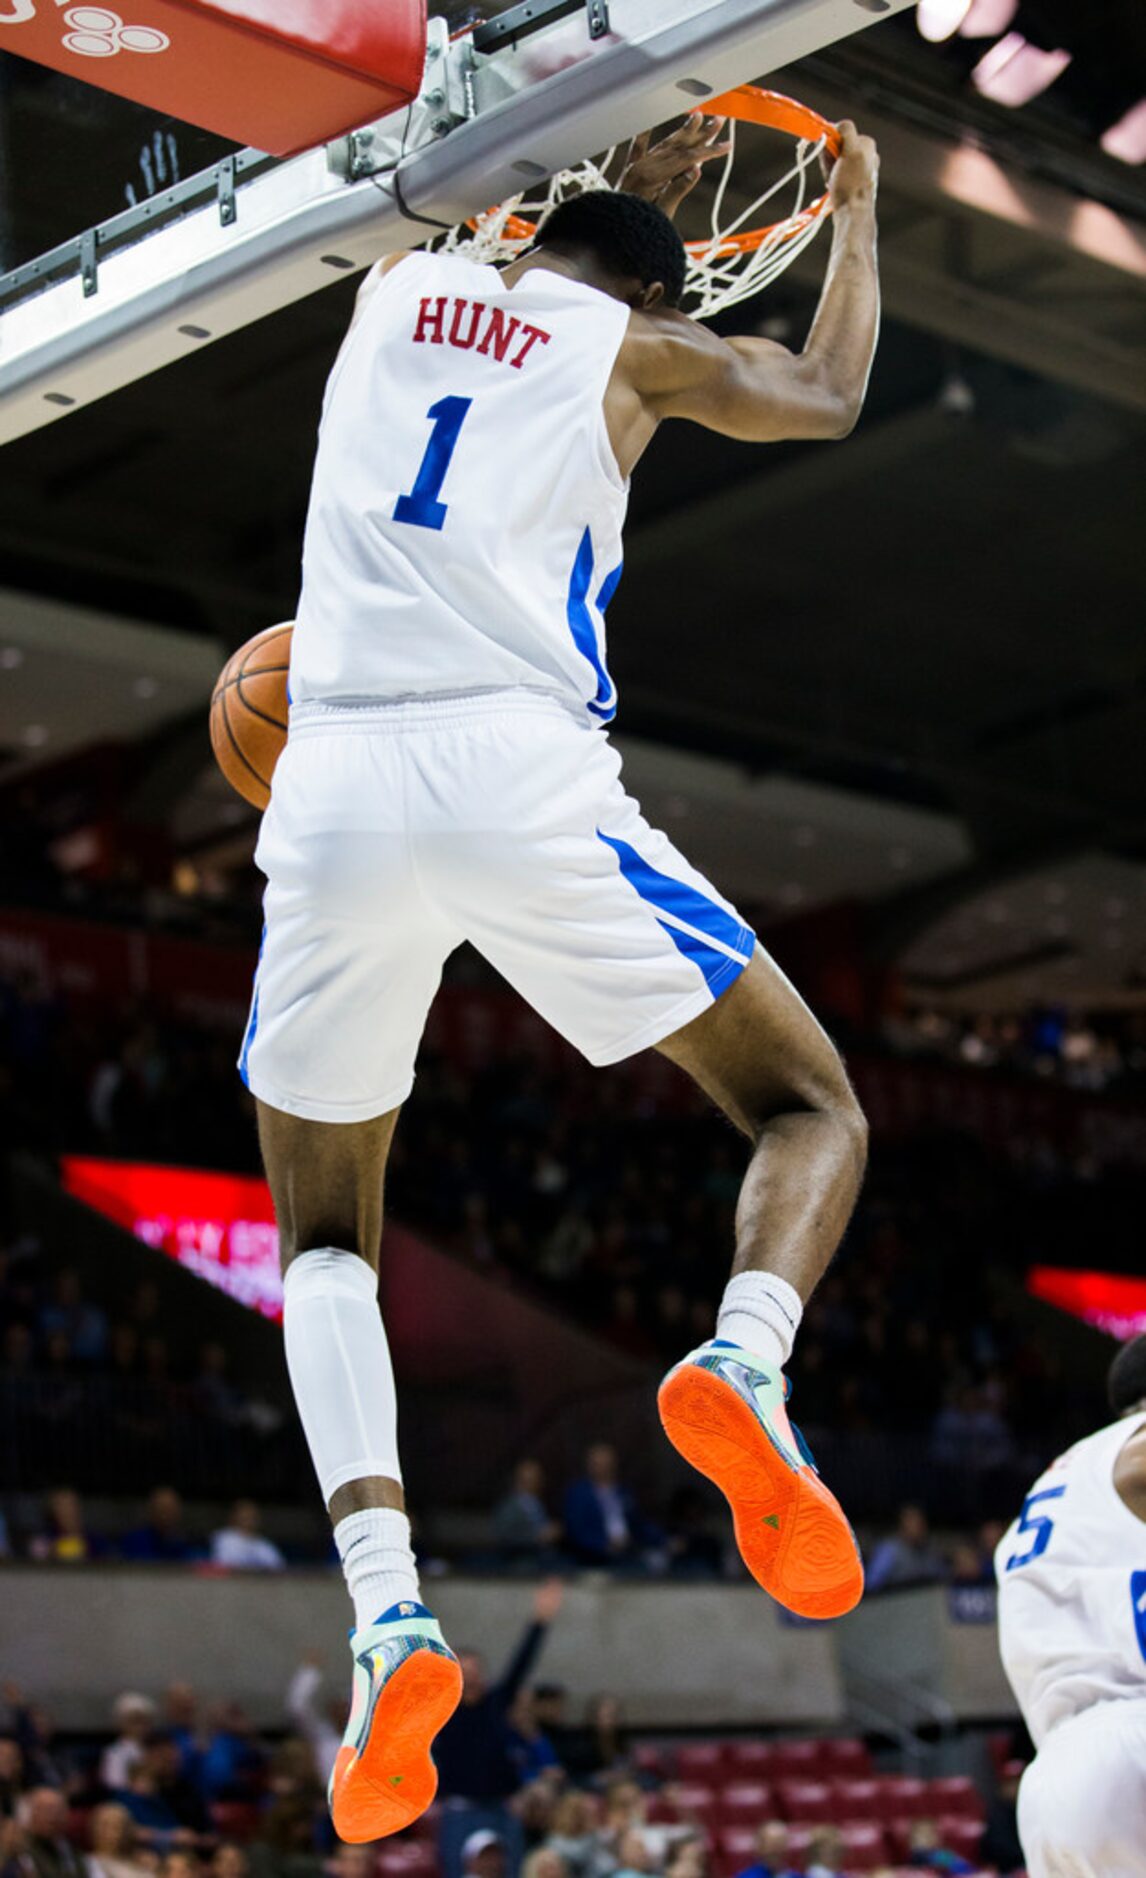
(498, 330)
(431, 322)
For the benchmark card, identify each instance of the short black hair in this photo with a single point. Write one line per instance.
(629, 236)
(1126, 1379)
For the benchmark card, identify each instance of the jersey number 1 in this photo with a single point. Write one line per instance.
(421, 508)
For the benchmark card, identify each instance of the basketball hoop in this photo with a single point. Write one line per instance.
(741, 255)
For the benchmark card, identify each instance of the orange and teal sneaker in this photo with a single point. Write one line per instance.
(407, 1684)
(723, 1409)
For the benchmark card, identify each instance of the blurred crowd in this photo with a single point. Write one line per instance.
(1103, 1052)
(183, 1789)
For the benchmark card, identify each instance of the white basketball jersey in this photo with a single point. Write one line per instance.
(464, 531)
(1072, 1587)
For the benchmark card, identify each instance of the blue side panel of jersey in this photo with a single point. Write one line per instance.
(1138, 1607)
(604, 703)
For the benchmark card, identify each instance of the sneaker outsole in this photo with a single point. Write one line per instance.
(392, 1780)
(791, 1531)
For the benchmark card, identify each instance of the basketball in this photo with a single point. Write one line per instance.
(249, 713)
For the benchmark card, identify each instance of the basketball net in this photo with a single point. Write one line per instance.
(739, 256)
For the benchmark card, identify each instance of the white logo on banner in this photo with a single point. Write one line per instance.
(97, 33)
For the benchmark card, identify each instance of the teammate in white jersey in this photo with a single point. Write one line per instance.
(1072, 1631)
(447, 777)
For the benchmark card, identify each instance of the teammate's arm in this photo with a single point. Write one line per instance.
(762, 392)
(1130, 1474)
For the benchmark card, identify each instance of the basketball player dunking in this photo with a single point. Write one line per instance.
(448, 776)
(1072, 1632)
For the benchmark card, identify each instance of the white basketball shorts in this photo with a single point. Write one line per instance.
(1082, 1800)
(396, 831)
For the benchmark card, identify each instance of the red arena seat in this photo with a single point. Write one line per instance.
(747, 1803)
(749, 1760)
(961, 1834)
(735, 1848)
(798, 1759)
(863, 1842)
(799, 1839)
(902, 1796)
(810, 1801)
(408, 1858)
(845, 1756)
(649, 1758)
(691, 1801)
(858, 1799)
(955, 1794)
(701, 1761)
(79, 1826)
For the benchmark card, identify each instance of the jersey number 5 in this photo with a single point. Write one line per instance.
(421, 508)
(1038, 1523)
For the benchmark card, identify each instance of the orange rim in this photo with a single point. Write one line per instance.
(748, 104)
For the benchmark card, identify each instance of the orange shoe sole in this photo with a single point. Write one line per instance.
(392, 1780)
(792, 1533)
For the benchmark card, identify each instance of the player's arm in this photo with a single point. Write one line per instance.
(1130, 1474)
(762, 392)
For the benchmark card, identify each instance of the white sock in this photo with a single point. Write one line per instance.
(343, 1382)
(761, 1313)
(374, 1547)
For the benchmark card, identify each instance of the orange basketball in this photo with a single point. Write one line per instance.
(249, 713)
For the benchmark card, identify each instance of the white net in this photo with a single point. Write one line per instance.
(726, 266)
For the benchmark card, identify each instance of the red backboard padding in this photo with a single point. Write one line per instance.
(281, 75)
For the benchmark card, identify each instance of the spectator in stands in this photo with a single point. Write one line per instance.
(181, 1723)
(545, 1862)
(230, 1861)
(12, 1775)
(182, 1796)
(476, 1774)
(161, 1539)
(114, 1844)
(771, 1852)
(43, 1847)
(84, 1324)
(530, 1748)
(134, 1717)
(602, 1523)
(483, 1855)
(157, 1822)
(909, 1557)
(182, 1862)
(234, 1763)
(694, 1551)
(929, 1854)
(634, 1859)
(524, 1531)
(825, 1855)
(319, 1724)
(597, 1748)
(688, 1858)
(65, 1538)
(573, 1835)
(241, 1546)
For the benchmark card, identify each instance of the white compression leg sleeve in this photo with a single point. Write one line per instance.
(340, 1370)
(343, 1382)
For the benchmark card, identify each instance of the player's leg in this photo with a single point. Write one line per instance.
(610, 933)
(327, 1183)
(762, 1057)
(351, 959)
(764, 1060)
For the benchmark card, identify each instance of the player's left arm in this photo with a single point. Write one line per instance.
(1130, 1474)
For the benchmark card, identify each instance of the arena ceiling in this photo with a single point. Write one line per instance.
(942, 613)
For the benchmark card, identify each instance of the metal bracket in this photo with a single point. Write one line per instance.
(89, 261)
(225, 185)
(532, 15)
